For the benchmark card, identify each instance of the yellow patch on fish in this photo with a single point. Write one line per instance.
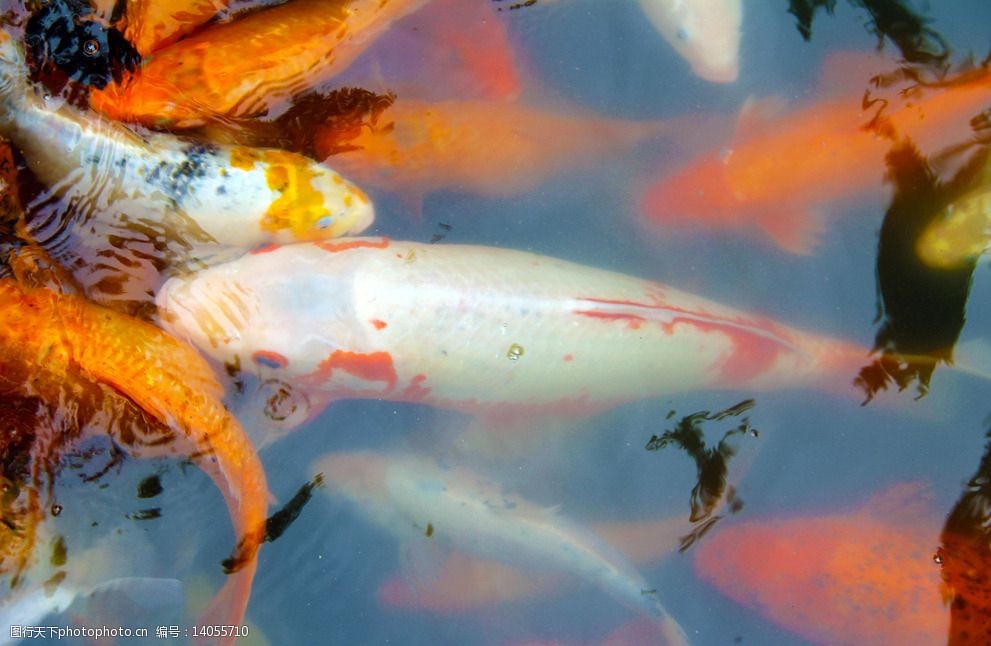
(299, 205)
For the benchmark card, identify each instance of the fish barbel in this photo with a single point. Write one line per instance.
(479, 329)
(154, 394)
(228, 195)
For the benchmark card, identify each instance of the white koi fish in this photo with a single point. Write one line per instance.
(223, 195)
(482, 330)
(429, 506)
(706, 33)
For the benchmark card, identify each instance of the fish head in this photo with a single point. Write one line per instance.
(275, 313)
(706, 33)
(314, 202)
(697, 194)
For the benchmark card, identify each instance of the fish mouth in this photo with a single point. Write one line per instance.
(208, 318)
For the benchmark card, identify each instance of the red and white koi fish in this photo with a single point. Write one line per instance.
(479, 329)
(428, 506)
(226, 195)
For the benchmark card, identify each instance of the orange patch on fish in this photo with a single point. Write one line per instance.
(152, 24)
(379, 324)
(367, 366)
(335, 246)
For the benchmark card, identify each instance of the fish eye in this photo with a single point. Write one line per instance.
(325, 222)
(682, 34)
(91, 47)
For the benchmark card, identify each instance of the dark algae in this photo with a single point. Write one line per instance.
(712, 463)
(280, 521)
(921, 309)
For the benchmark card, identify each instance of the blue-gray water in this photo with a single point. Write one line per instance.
(817, 451)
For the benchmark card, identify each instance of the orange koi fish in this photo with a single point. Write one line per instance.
(861, 577)
(152, 24)
(777, 171)
(448, 46)
(154, 395)
(488, 148)
(252, 66)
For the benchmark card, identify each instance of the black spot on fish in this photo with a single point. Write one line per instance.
(149, 487)
(58, 552)
(69, 37)
(177, 180)
(280, 521)
(146, 514)
(430, 530)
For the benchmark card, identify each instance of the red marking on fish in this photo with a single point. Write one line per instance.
(632, 320)
(334, 246)
(370, 366)
(269, 359)
(756, 343)
(416, 391)
(379, 324)
(568, 357)
(265, 248)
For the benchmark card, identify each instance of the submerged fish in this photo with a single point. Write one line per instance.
(464, 583)
(779, 168)
(252, 66)
(427, 505)
(861, 577)
(154, 395)
(489, 148)
(706, 33)
(479, 329)
(233, 196)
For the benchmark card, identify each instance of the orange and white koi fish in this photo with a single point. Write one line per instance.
(427, 506)
(480, 329)
(252, 66)
(861, 577)
(777, 170)
(706, 33)
(152, 393)
(488, 148)
(225, 195)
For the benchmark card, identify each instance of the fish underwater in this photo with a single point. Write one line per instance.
(781, 168)
(706, 33)
(489, 148)
(428, 505)
(152, 24)
(865, 576)
(464, 584)
(252, 66)
(109, 374)
(234, 196)
(493, 332)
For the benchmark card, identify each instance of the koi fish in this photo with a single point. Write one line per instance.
(489, 148)
(252, 66)
(464, 583)
(154, 395)
(860, 577)
(706, 33)
(153, 24)
(777, 170)
(427, 506)
(226, 195)
(478, 329)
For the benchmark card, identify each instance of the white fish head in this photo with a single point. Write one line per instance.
(276, 313)
(706, 33)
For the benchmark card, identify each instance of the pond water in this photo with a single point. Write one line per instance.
(849, 521)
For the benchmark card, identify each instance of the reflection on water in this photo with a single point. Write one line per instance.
(581, 217)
